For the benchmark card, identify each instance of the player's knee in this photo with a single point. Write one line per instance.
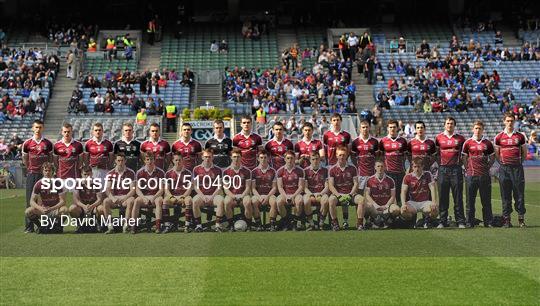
(394, 210)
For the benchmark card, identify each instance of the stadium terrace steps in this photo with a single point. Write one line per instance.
(208, 92)
(57, 108)
(364, 91)
(509, 38)
(151, 57)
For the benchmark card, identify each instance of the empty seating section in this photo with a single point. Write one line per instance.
(112, 126)
(490, 115)
(193, 49)
(99, 65)
(174, 92)
(21, 127)
(529, 36)
(484, 38)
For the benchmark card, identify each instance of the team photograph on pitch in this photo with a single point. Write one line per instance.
(292, 182)
(291, 152)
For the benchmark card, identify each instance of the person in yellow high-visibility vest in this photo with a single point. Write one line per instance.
(141, 117)
(170, 113)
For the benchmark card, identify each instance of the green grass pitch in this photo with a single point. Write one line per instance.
(377, 267)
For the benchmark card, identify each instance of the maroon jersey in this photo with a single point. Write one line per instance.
(232, 176)
(343, 178)
(305, 149)
(478, 153)
(150, 179)
(277, 151)
(68, 158)
(181, 181)
(190, 152)
(117, 181)
(160, 149)
(250, 147)
(207, 180)
(263, 180)
(450, 148)
(48, 198)
(423, 149)
(380, 190)
(394, 153)
(510, 147)
(38, 153)
(99, 152)
(365, 151)
(291, 179)
(331, 141)
(418, 186)
(87, 194)
(315, 180)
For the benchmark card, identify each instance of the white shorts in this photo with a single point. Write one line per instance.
(362, 180)
(376, 209)
(419, 206)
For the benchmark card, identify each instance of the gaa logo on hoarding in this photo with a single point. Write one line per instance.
(202, 134)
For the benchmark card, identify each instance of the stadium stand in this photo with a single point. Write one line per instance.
(193, 49)
(112, 126)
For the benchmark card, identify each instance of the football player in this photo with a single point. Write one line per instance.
(178, 190)
(306, 145)
(87, 200)
(394, 149)
(380, 195)
(248, 142)
(364, 150)
(419, 193)
(278, 146)
(207, 186)
(343, 185)
(316, 190)
(221, 145)
(423, 147)
(149, 191)
(237, 187)
(43, 200)
(189, 148)
(290, 183)
(68, 154)
(160, 148)
(449, 145)
(100, 152)
(116, 194)
(478, 157)
(264, 188)
(129, 146)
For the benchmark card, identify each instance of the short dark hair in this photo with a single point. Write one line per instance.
(37, 121)
(451, 119)
(392, 121)
(420, 122)
(365, 121)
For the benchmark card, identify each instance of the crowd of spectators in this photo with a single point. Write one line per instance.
(219, 47)
(292, 91)
(252, 29)
(77, 34)
(11, 148)
(120, 90)
(23, 76)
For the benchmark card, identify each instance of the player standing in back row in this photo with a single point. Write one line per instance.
(277, 146)
(510, 150)
(248, 142)
(221, 145)
(395, 152)
(450, 177)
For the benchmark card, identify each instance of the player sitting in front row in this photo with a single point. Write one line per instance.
(290, 182)
(419, 193)
(264, 188)
(178, 190)
(380, 194)
(86, 200)
(343, 184)
(316, 189)
(44, 201)
(237, 185)
(117, 195)
(207, 184)
(149, 193)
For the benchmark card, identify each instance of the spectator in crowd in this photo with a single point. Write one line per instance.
(214, 46)
(532, 147)
(4, 149)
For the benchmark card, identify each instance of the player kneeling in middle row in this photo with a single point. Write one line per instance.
(343, 184)
(316, 190)
(290, 184)
(149, 192)
(178, 191)
(419, 194)
(86, 200)
(380, 195)
(237, 184)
